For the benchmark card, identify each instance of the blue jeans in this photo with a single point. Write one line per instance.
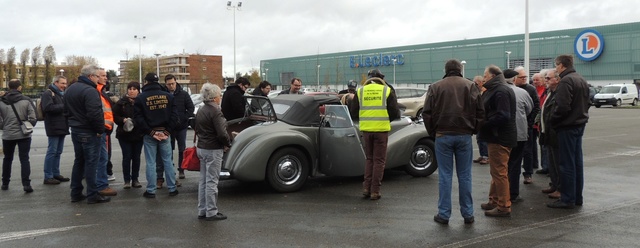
(181, 137)
(571, 164)
(9, 146)
(52, 159)
(447, 147)
(102, 177)
(152, 147)
(131, 152)
(482, 148)
(86, 147)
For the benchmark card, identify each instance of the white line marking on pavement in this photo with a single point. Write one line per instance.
(516, 230)
(33, 233)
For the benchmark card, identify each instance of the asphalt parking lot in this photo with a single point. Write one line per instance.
(328, 212)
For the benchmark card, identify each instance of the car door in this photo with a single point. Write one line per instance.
(340, 150)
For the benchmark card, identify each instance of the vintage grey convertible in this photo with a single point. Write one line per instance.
(286, 139)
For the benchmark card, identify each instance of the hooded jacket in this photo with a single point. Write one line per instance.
(11, 129)
(500, 113)
(52, 101)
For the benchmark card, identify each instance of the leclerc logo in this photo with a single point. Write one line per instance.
(588, 45)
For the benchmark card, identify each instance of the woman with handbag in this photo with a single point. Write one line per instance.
(213, 140)
(128, 136)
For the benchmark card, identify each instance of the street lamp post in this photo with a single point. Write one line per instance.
(464, 62)
(394, 71)
(157, 64)
(508, 53)
(234, 7)
(61, 72)
(318, 78)
(140, 39)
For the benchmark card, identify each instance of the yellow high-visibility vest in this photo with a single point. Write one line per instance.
(373, 108)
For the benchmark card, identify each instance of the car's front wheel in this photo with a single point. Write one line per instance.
(287, 170)
(422, 162)
(618, 103)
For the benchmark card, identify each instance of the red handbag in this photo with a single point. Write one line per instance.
(190, 160)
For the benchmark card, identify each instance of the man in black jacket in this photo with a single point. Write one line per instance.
(185, 108)
(531, 148)
(499, 131)
(569, 120)
(233, 104)
(56, 127)
(154, 112)
(83, 108)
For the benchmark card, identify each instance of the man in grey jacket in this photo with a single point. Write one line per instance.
(11, 120)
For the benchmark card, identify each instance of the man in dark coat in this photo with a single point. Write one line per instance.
(56, 127)
(233, 104)
(83, 108)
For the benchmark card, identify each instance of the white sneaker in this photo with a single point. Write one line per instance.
(111, 178)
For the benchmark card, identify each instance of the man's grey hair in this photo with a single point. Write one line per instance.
(493, 70)
(555, 74)
(519, 69)
(478, 78)
(89, 70)
(57, 78)
(509, 80)
(210, 91)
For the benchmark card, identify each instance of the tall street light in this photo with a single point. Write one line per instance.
(61, 72)
(157, 64)
(140, 39)
(508, 53)
(394, 71)
(318, 78)
(464, 62)
(234, 7)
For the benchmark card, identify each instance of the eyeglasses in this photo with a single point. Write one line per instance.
(547, 78)
(522, 77)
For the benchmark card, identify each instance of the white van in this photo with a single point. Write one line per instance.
(616, 95)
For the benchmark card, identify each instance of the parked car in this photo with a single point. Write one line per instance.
(412, 99)
(286, 139)
(616, 95)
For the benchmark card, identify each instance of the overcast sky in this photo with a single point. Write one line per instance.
(268, 29)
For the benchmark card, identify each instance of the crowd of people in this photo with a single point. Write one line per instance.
(509, 116)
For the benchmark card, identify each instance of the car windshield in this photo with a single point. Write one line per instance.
(610, 89)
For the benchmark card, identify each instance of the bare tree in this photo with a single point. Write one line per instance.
(11, 62)
(35, 62)
(49, 56)
(3, 67)
(76, 62)
(24, 57)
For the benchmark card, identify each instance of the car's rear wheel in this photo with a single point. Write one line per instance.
(287, 170)
(635, 102)
(422, 162)
(597, 106)
(419, 114)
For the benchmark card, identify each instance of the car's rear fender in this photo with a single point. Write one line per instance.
(247, 161)
(401, 142)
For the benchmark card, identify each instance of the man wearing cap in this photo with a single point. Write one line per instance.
(296, 85)
(524, 106)
(86, 120)
(347, 95)
(375, 105)
(499, 131)
(154, 112)
(233, 103)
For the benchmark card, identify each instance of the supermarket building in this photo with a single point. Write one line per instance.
(602, 54)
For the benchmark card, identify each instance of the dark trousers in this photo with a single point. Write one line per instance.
(554, 169)
(571, 164)
(530, 153)
(109, 164)
(375, 150)
(180, 137)
(131, 152)
(86, 147)
(9, 147)
(514, 165)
